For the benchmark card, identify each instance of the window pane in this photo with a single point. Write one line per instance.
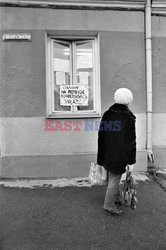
(84, 70)
(62, 74)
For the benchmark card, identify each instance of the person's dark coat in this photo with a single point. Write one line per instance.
(117, 139)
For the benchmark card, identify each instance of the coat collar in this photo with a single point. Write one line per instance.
(121, 108)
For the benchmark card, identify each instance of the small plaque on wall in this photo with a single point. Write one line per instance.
(17, 36)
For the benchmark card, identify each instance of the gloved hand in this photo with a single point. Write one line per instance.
(130, 167)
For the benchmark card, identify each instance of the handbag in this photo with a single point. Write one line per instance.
(97, 174)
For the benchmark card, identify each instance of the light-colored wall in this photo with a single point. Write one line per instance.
(24, 142)
(26, 136)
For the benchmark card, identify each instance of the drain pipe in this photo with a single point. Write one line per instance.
(148, 40)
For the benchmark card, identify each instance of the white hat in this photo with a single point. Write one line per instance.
(123, 96)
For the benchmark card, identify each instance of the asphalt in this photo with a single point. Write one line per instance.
(73, 218)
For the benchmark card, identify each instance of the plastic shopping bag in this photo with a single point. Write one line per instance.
(129, 193)
(97, 174)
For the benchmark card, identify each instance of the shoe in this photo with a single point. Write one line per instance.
(114, 211)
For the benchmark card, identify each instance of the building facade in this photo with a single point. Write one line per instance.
(60, 64)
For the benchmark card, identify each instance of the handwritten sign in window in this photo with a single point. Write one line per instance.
(74, 95)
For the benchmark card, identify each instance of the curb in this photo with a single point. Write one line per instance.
(61, 182)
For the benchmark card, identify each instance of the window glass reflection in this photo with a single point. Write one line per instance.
(61, 71)
(84, 68)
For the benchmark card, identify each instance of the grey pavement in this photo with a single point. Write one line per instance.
(73, 218)
(159, 175)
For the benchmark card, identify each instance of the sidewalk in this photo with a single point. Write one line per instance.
(159, 175)
(73, 218)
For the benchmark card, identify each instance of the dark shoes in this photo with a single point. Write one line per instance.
(114, 211)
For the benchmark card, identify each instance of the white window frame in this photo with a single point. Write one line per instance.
(50, 113)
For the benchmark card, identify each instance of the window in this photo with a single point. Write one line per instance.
(73, 88)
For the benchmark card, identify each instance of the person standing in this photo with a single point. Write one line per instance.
(117, 146)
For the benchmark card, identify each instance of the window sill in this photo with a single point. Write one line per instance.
(77, 115)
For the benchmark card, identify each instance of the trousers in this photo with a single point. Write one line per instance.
(112, 192)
